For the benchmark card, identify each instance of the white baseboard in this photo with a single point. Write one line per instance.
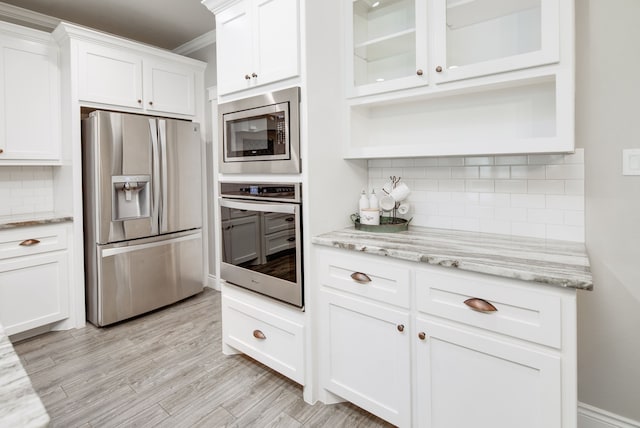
(212, 282)
(593, 417)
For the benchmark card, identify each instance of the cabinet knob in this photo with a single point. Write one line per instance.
(419, 72)
(29, 242)
(422, 335)
(254, 75)
(400, 327)
(259, 335)
(360, 277)
(139, 101)
(438, 69)
(247, 77)
(480, 305)
(150, 103)
(1, 151)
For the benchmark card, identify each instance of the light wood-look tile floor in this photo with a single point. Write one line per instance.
(166, 369)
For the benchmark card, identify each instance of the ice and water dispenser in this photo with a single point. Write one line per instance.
(131, 197)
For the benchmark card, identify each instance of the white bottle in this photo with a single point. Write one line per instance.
(373, 200)
(364, 201)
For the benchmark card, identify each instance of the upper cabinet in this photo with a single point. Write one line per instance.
(30, 92)
(129, 76)
(128, 79)
(459, 77)
(258, 42)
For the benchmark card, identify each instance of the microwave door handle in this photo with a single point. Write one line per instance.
(260, 206)
(155, 204)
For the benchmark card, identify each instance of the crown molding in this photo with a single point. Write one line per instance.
(27, 17)
(199, 42)
(216, 6)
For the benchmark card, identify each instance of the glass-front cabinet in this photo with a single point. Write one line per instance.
(479, 37)
(389, 45)
(397, 44)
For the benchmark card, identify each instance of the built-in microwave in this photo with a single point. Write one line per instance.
(261, 134)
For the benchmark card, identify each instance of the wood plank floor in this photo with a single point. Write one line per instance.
(166, 369)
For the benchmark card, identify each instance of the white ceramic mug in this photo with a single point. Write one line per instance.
(400, 192)
(387, 203)
(370, 216)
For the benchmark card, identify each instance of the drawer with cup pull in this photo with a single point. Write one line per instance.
(365, 275)
(265, 336)
(28, 240)
(279, 241)
(278, 222)
(497, 304)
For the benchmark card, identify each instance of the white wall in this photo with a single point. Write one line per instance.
(608, 120)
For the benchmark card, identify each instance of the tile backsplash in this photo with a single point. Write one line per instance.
(526, 195)
(26, 189)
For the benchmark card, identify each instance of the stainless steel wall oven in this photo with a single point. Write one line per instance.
(262, 239)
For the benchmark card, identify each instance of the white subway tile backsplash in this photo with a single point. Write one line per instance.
(528, 172)
(511, 186)
(552, 187)
(464, 172)
(537, 195)
(25, 190)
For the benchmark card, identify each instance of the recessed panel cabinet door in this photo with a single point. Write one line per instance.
(30, 93)
(368, 362)
(234, 48)
(465, 379)
(169, 88)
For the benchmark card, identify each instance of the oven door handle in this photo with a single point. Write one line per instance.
(260, 206)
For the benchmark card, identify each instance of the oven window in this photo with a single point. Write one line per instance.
(260, 135)
(263, 242)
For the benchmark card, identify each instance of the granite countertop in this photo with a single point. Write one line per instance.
(20, 406)
(24, 220)
(559, 263)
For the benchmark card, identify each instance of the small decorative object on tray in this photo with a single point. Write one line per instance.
(394, 193)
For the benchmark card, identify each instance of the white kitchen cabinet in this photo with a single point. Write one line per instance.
(257, 43)
(30, 92)
(34, 277)
(473, 350)
(447, 78)
(464, 379)
(240, 239)
(126, 78)
(367, 354)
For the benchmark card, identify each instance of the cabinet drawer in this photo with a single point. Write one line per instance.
(280, 241)
(33, 291)
(21, 241)
(365, 276)
(526, 314)
(265, 336)
(277, 222)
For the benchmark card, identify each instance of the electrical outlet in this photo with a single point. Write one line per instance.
(631, 162)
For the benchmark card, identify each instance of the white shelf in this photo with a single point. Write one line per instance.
(469, 12)
(386, 46)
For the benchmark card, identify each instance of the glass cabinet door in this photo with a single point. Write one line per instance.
(388, 45)
(480, 37)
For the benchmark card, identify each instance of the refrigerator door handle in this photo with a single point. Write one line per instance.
(162, 131)
(155, 204)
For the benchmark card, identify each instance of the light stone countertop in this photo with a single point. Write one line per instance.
(24, 220)
(20, 406)
(553, 262)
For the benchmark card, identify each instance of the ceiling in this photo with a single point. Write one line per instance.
(164, 23)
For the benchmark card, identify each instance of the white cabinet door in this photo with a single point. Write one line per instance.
(465, 379)
(30, 92)
(276, 40)
(491, 36)
(367, 360)
(109, 76)
(33, 291)
(169, 88)
(234, 48)
(257, 43)
(240, 239)
(386, 45)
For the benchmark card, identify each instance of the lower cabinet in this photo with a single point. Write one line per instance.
(368, 353)
(468, 350)
(34, 277)
(465, 379)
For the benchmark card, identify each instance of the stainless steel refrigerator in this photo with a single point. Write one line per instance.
(142, 213)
